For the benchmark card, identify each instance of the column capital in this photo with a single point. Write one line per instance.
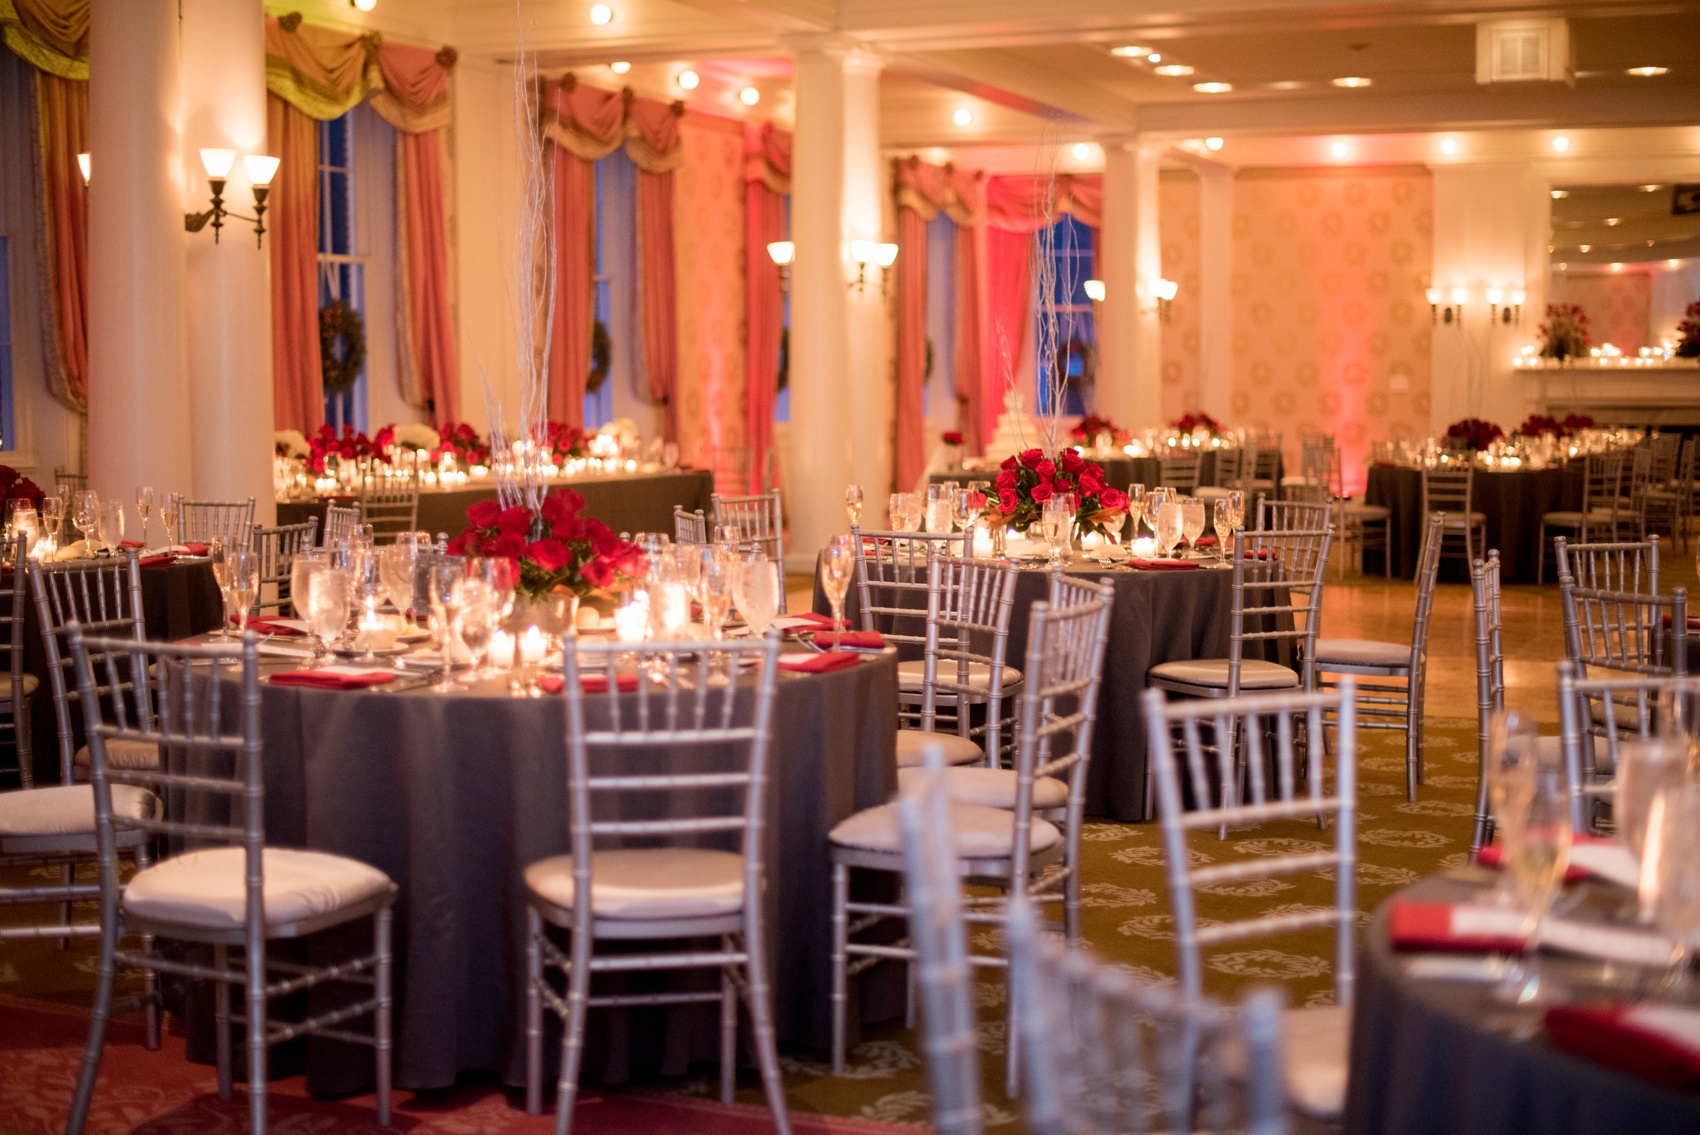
(833, 45)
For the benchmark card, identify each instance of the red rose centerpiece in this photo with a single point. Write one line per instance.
(328, 445)
(557, 550)
(1472, 433)
(1027, 481)
(461, 441)
(1093, 426)
(15, 487)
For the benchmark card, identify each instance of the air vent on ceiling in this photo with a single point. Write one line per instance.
(1523, 51)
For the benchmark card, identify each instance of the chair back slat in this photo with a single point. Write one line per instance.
(14, 612)
(1587, 716)
(892, 581)
(689, 527)
(1180, 470)
(277, 548)
(230, 521)
(389, 502)
(760, 520)
(969, 605)
(1277, 596)
(103, 596)
(1612, 620)
(339, 524)
(1312, 514)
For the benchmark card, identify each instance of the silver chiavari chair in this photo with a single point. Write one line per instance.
(1229, 477)
(1610, 622)
(230, 521)
(658, 892)
(1490, 681)
(1106, 1054)
(1388, 706)
(1179, 470)
(689, 527)
(760, 521)
(1278, 786)
(21, 686)
(104, 597)
(1008, 845)
(1452, 491)
(1590, 767)
(229, 891)
(389, 502)
(276, 548)
(339, 524)
(1601, 485)
(1277, 607)
(963, 664)
(67, 483)
(1294, 515)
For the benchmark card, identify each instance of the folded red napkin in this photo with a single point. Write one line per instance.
(131, 544)
(155, 561)
(589, 683)
(1493, 856)
(851, 640)
(1462, 929)
(1204, 542)
(196, 549)
(819, 663)
(823, 621)
(331, 679)
(1650, 1041)
(261, 625)
(1165, 565)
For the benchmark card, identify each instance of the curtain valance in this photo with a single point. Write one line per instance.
(767, 158)
(590, 123)
(51, 35)
(931, 190)
(1029, 203)
(325, 73)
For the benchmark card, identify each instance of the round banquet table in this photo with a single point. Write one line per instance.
(1159, 616)
(1438, 1057)
(453, 796)
(1513, 503)
(1119, 472)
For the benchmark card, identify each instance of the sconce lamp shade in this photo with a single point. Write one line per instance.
(83, 164)
(1494, 296)
(1435, 296)
(885, 254)
(782, 252)
(218, 163)
(1094, 290)
(1165, 290)
(1518, 295)
(261, 168)
(862, 251)
(1460, 296)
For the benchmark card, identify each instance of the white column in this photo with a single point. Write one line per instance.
(227, 286)
(1130, 261)
(1215, 287)
(868, 375)
(821, 434)
(138, 394)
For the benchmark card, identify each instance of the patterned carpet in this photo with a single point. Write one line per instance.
(1127, 918)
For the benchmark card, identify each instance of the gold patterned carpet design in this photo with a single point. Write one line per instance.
(1126, 918)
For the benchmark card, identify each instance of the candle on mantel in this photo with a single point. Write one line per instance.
(532, 645)
(502, 649)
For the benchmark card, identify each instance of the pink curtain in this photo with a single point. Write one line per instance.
(656, 125)
(1008, 272)
(1028, 203)
(64, 113)
(575, 247)
(911, 347)
(298, 400)
(767, 162)
(967, 357)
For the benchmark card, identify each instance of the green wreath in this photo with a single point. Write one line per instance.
(601, 357)
(342, 346)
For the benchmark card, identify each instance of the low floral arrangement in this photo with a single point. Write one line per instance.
(464, 443)
(951, 437)
(556, 548)
(1027, 481)
(622, 430)
(1472, 433)
(349, 445)
(406, 435)
(1689, 329)
(563, 441)
(1565, 333)
(291, 443)
(1190, 423)
(1538, 425)
(1086, 431)
(16, 487)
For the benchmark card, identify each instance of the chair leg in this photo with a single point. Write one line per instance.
(840, 935)
(256, 991)
(96, 1043)
(221, 1019)
(761, 1022)
(728, 1029)
(150, 980)
(381, 1025)
(572, 1034)
(1413, 756)
(1541, 555)
(533, 1012)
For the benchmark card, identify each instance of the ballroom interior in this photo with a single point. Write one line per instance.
(824, 255)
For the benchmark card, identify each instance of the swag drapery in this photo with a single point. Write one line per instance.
(767, 182)
(584, 124)
(315, 74)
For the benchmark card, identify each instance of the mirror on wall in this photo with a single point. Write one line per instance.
(1629, 257)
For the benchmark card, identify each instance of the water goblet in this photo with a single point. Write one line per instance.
(302, 565)
(1168, 527)
(475, 624)
(110, 527)
(853, 503)
(838, 565)
(757, 594)
(1056, 521)
(327, 604)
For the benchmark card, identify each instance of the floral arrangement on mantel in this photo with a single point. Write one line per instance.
(1088, 429)
(1192, 423)
(1027, 481)
(1538, 425)
(416, 436)
(464, 443)
(1688, 347)
(349, 445)
(14, 486)
(557, 549)
(562, 441)
(1565, 333)
(1472, 433)
(291, 444)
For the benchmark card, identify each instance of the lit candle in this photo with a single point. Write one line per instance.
(532, 645)
(631, 619)
(502, 649)
(1145, 546)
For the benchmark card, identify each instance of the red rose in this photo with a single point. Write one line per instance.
(514, 520)
(1006, 480)
(8, 478)
(603, 542)
(508, 544)
(1032, 458)
(457, 546)
(572, 528)
(1041, 492)
(1071, 461)
(484, 514)
(952, 437)
(1008, 463)
(567, 499)
(1113, 498)
(1006, 500)
(1045, 469)
(1091, 479)
(598, 572)
(550, 555)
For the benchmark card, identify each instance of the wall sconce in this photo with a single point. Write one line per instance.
(865, 252)
(1094, 290)
(782, 253)
(1164, 292)
(261, 169)
(1502, 309)
(1439, 309)
(83, 164)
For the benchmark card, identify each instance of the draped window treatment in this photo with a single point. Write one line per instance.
(585, 124)
(767, 182)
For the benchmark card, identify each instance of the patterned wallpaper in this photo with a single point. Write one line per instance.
(1618, 305)
(1177, 232)
(708, 233)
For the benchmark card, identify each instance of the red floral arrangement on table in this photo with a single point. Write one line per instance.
(1689, 329)
(1565, 333)
(463, 442)
(348, 445)
(1026, 482)
(1472, 433)
(951, 437)
(1186, 423)
(1535, 425)
(563, 441)
(1086, 431)
(556, 548)
(16, 487)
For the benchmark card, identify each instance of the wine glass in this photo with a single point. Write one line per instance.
(440, 586)
(1168, 527)
(1055, 520)
(327, 604)
(170, 508)
(301, 568)
(1537, 852)
(838, 564)
(1224, 524)
(1154, 501)
(395, 565)
(502, 575)
(221, 575)
(757, 594)
(1673, 856)
(242, 567)
(1236, 502)
(363, 534)
(50, 517)
(853, 503)
(26, 522)
(1192, 521)
(87, 507)
(714, 591)
(479, 613)
(144, 508)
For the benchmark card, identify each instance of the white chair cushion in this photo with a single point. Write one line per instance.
(911, 674)
(647, 882)
(913, 745)
(1318, 1044)
(208, 888)
(1361, 652)
(1453, 520)
(991, 787)
(1367, 512)
(1212, 492)
(123, 753)
(1255, 674)
(1574, 519)
(31, 685)
(1294, 480)
(69, 809)
(979, 832)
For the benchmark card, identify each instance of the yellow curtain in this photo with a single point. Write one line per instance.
(53, 35)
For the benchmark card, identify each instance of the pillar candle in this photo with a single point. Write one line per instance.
(502, 649)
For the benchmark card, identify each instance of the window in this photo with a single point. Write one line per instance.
(342, 271)
(8, 438)
(599, 404)
(782, 398)
(1077, 336)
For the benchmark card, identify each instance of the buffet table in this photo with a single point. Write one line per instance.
(626, 502)
(1512, 501)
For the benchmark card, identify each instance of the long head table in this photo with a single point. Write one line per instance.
(626, 502)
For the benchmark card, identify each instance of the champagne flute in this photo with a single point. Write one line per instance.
(714, 591)
(441, 580)
(87, 512)
(243, 568)
(853, 503)
(221, 576)
(1192, 521)
(170, 508)
(51, 516)
(838, 564)
(327, 604)
(144, 508)
(1236, 503)
(1224, 524)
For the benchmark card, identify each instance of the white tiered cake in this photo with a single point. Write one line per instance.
(1016, 431)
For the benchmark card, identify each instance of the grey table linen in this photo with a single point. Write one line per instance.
(1512, 503)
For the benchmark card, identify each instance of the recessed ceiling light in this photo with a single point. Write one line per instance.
(1286, 85)
(1614, 220)
(1082, 151)
(1339, 149)
(601, 14)
(1649, 188)
(1213, 143)
(962, 116)
(1617, 267)
(1673, 264)
(1449, 146)
(1353, 82)
(1561, 143)
(1560, 194)
(364, 5)
(1174, 70)
(1584, 248)
(1648, 72)
(1132, 51)
(1154, 57)
(1212, 88)
(688, 79)
(620, 68)
(749, 96)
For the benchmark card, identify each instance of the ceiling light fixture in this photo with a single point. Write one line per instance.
(1154, 57)
(620, 68)
(1082, 151)
(1560, 194)
(688, 79)
(1353, 82)
(1131, 51)
(1614, 220)
(1449, 146)
(1212, 88)
(1648, 72)
(1561, 143)
(1213, 143)
(1584, 248)
(1174, 70)
(601, 15)
(1649, 188)
(749, 96)
(1339, 149)
(363, 5)
(962, 116)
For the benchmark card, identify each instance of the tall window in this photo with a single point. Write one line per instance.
(782, 399)
(8, 437)
(599, 404)
(342, 270)
(1077, 334)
